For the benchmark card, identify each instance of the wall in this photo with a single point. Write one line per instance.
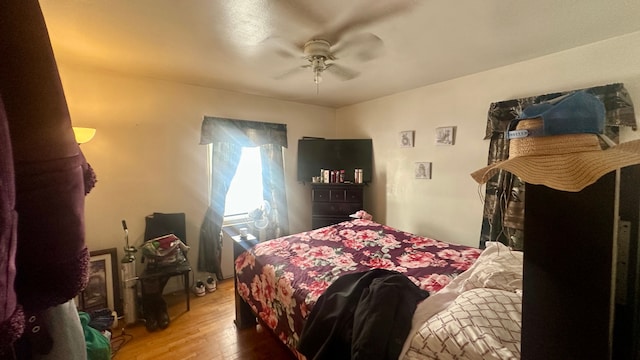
(449, 207)
(147, 157)
(146, 152)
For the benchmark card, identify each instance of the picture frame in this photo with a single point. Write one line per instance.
(103, 288)
(422, 170)
(445, 135)
(407, 138)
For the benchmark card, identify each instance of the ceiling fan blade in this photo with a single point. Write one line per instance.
(290, 72)
(363, 47)
(342, 72)
(368, 13)
(302, 13)
(282, 47)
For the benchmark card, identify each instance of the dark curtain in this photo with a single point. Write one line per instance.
(242, 132)
(503, 217)
(228, 137)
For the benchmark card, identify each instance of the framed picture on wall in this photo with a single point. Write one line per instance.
(445, 135)
(103, 288)
(407, 138)
(423, 170)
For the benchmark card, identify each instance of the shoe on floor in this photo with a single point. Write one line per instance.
(210, 285)
(198, 288)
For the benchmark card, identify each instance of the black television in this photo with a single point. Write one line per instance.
(335, 154)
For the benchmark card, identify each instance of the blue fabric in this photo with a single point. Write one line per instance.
(576, 113)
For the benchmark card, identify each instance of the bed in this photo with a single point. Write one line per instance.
(281, 280)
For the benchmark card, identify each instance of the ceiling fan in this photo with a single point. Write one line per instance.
(320, 57)
(337, 37)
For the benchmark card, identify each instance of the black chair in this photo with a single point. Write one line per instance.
(154, 278)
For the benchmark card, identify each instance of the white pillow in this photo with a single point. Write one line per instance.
(498, 267)
(480, 324)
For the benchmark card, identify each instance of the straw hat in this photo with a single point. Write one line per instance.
(559, 147)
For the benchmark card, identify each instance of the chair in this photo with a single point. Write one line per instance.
(153, 279)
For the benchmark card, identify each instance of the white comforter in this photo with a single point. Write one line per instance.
(477, 316)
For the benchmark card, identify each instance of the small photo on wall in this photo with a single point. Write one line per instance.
(445, 135)
(407, 138)
(423, 170)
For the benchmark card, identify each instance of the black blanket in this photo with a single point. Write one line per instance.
(365, 315)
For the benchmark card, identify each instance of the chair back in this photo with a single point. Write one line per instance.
(159, 224)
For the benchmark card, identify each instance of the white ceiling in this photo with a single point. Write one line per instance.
(231, 44)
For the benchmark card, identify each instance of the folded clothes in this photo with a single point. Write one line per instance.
(101, 319)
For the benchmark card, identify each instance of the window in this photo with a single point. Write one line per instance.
(245, 191)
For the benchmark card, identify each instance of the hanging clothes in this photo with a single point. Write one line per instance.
(43, 234)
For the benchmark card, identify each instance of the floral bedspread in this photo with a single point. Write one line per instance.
(281, 279)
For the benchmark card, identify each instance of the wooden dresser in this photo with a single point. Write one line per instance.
(333, 203)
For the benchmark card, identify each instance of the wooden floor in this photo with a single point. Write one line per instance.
(205, 332)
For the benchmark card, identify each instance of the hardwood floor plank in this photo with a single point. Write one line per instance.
(205, 332)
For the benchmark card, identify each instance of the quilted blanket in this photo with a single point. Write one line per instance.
(281, 279)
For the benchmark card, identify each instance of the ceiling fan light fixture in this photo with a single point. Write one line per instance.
(318, 54)
(318, 66)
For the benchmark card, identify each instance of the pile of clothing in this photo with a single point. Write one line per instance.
(96, 326)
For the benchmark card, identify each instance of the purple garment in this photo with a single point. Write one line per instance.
(11, 316)
(51, 259)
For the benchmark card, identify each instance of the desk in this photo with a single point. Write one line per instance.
(244, 316)
(150, 276)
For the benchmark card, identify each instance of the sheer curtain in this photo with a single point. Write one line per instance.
(274, 191)
(503, 218)
(227, 137)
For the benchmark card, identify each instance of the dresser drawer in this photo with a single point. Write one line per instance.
(353, 195)
(320, 195)
(322, 221)
(337, 195)
(335, 208)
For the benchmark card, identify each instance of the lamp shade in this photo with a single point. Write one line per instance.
(83, 134)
